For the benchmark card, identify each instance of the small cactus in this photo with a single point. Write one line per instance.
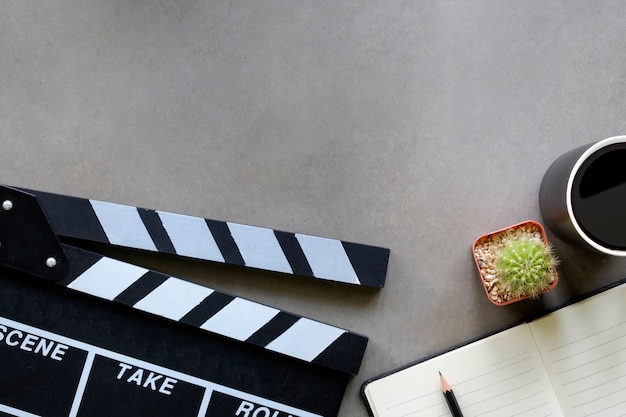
(526, 266)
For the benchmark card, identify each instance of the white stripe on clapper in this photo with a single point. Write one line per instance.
(15, 412)
(191, 236)
(259, 248)
(306, 339)
(122, 225)
(240, 318)
(107, 278)
(327, 258)
(173, 299)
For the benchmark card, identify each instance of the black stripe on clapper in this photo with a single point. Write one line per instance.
(274, 328)
(80, 261)
(369, 263)
(156, 230)
(293, 252)
(71, 216)
(226, 243)
(139, 289)
(338, 356)
(206, 309)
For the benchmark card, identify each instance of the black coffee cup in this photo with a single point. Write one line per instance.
(583, 196)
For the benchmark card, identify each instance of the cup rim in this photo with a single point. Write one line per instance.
(568, 193)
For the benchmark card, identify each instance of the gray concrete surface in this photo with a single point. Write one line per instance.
(416, 126)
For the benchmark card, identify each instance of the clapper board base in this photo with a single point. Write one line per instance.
(63, 353)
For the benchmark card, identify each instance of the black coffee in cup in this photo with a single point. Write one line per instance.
(599, 196)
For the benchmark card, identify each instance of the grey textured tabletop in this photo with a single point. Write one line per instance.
(415, 126)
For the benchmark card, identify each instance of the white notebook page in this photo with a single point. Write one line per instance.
(584, 350)
(498, 376)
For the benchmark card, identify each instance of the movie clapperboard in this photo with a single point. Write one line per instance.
(82, 334)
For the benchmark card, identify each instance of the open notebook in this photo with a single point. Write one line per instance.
(571, 362)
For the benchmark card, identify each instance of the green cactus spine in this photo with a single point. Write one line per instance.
(526, 266)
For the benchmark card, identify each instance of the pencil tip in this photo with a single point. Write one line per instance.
(445, 386)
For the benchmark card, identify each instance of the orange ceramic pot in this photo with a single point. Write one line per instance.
(481, 257)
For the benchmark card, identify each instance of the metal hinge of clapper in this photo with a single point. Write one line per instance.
(27, 242)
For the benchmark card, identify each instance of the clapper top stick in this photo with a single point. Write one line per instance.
(216, 241)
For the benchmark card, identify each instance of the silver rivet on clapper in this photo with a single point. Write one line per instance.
(51, 262)
(7, 205)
